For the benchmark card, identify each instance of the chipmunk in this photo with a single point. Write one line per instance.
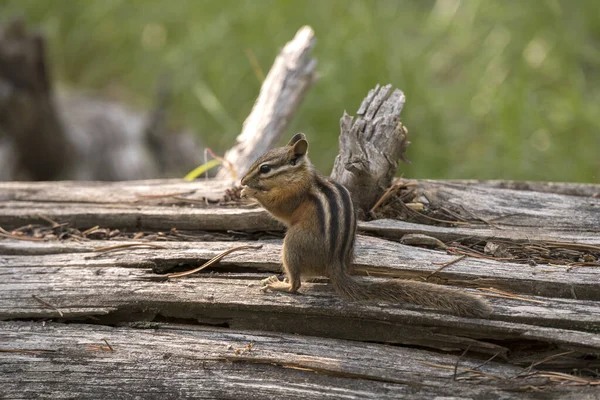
(321, 222)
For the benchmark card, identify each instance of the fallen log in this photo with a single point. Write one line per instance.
(81, 253)
(170, 361)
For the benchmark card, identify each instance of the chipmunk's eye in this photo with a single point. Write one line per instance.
(265, 168)
(293, 161)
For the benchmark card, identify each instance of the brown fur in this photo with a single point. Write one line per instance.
(313, 247)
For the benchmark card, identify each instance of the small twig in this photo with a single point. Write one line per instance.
(6, 234)
(542, 361)
(435, 219)
(212, 261)
(49, 220)
(455, 215)
(24, 238)
(508, 295)
(88, 231)
(560, 377)
(189, 200)
(126, 245)
(573, 245)
(581, 264)
(24, 228)
(48, 305)
(23, 351)
(225, 162)
(394, 187)
(445, 265)
(108, 344)
(326, 369)
(479, 218)
(478, 255)
(487, 361)
(451, 367)
(464, 353)
(160, 196)
(99, 347)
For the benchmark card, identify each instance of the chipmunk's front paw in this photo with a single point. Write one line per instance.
(246, 193)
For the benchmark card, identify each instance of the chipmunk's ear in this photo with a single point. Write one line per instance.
(300, 147)
(297, 137)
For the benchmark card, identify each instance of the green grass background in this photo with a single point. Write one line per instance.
(495, 89)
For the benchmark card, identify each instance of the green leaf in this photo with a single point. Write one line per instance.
(201, 169)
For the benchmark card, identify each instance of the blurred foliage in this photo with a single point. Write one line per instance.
(495, 89)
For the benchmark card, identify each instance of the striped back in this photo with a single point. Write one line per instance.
(337, 219)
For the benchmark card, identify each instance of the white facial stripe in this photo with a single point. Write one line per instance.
(276, 170)
(282, 168)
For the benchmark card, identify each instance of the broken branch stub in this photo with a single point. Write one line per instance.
(371, 145)
(282, 92)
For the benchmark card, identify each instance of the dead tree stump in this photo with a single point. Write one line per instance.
(371, 145)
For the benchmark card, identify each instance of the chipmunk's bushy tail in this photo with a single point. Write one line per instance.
(420, 293)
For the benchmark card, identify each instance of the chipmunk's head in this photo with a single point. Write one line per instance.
(279, 167)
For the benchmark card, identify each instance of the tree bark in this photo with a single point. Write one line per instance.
(370, 146)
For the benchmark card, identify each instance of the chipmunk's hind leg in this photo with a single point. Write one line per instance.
(291, 267)
(273, 283)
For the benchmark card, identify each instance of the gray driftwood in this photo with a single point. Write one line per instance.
(174, 361)
(121, 286)
(189, 337)
(282, 92)
(570, 188)
(159, 204)
(371, 145)
(374, 257)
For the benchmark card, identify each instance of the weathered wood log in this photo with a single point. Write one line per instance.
(282, 92)
(374, 257)
(170, 361)
(120, 286)
(570, 188)
(371, 145)
(161, 205)
(546, 313)
(516, 208)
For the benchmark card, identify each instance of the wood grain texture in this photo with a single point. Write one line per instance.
(374, 257)
(395, 229)
(120, 286)
(172, 362)
(517, 212)
(371, 145)
(312, 345)
(568, 188)
(518, 208)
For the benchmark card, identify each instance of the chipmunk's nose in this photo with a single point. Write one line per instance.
(244, 181)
